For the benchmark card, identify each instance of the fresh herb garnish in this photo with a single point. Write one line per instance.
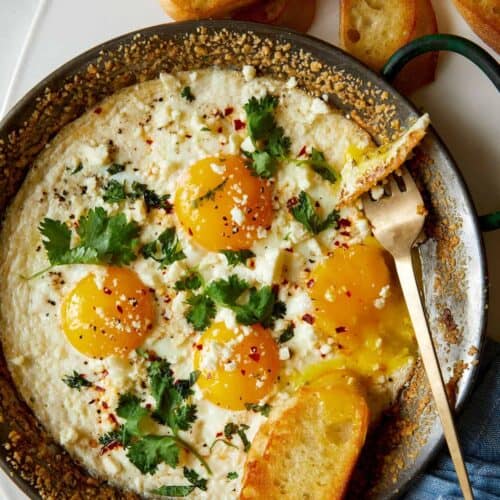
(263, 409)
(232, 475)
(114, 436)
(172, 406)
(172, 409)
(287, 334)
(192, 281)
(201, 311)
(115, 168)
(269, 139)
(114, 192)
(77, 169)
(166, 249)
(187, 94)
(181, 491)
(235, 257)
(318, 164)
(76, 381)
(209, 195)
(305, 213)
(262, 305)
(230, 429)
(104, 239)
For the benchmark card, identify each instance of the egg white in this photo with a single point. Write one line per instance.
(35, 346)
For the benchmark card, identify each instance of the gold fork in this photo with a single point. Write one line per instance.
(397, 219)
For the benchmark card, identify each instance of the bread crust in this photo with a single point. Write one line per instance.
(421, 70)
(184, 10)
(483, 18)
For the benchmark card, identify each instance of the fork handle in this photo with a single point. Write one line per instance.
(409, 286)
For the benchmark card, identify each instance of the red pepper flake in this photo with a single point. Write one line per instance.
(302, 152)
(112, 418)
(98, 110)
(341, 329)
(119, 308)
(219, 434)
(110, 446)
(148, 406)
(308, 319)
(289, 250)
(219, 130)
(149, 141)
(190, 231)
(199, 347)
(188, 136)
(348, 293)
(105, 405)
(337, 243)
(228, 111)
(98, 388)
(106, 290)
(254, 354)
(345, 233)
(238, 124)
(310, 283)
(292, 202)
(243, 372)
(344, 223)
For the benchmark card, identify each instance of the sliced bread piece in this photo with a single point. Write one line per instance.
(309, 449)
(182, 10)
(372, 30)
(483, 16)
(364, 170)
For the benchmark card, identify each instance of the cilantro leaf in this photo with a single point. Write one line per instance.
(150, 451)
(305, 213)
(192, 281)
(115, 168)
(170, 248)
(114, 192)
(114, 436)
(226, 292)
(187, 94)
(260, 116)
(103, 240)
(174, 491)
(77, 169)
(262, 307)
(170, 396)
(194, 478)
(235, 257)
(151, 198)
(263, 164)
(230, 429)
(278, 144)
(319, 164)
(201, 312)
(130, 409)
(287, 334)
(76, 381)
(264, 409)
(232, 475)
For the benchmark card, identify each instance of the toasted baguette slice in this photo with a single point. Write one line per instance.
(483, 16)
(362, 173)
(421, 70)
(372, 30)
(182, 10)
(310, 448)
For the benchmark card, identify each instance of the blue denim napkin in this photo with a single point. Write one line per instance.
(479, 429)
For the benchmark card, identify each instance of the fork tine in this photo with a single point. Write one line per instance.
(410, 184)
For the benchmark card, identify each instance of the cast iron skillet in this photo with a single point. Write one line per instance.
(452, 262)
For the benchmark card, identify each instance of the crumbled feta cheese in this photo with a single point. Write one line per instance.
(377, 192)
(284, 353)
(237, 215)
(247, 145)
(379, 302)
(291, 82)
(218, 169)
(319, 107)
(325, 349)
(249, 72)
(259, 384)
(94, 156)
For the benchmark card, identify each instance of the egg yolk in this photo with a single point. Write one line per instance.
(346, 285)
(222, 205)
(113, 315)
(360, 310)
(236, 368)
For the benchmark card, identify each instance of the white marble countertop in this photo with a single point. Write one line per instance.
(37, 36)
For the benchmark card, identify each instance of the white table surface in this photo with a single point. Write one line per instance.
(37, 36)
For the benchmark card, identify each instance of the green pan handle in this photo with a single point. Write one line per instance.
(453, 43)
